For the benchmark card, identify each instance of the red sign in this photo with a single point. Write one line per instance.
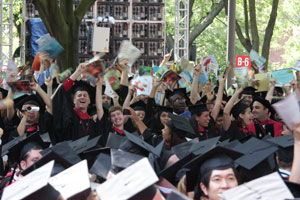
(242, 61)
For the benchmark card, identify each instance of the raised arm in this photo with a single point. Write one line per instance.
(218, 102)
(228, 107)
(195, 96)
(128, 97)
(165, 60)
(10, 110)
(45, 97)
(295, 173)
(156, 84)
(140, 124)
(99, 106)
(270, 93)
(122, 65)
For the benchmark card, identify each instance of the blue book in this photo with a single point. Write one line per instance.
(49, 45)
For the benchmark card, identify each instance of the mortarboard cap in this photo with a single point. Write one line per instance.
(24, 145)
(198, 109)
(181, 91)
(84, 86)
(63, 155)
(114, 141)
(180, 125)
(121, 159)
(12, 143)
(34, 186)
(141, 143)
(182, 150)
(216, 158)
(175, 195)
(73, 183)
(84, 146)
(74, 144)
(204, 146)
(91, 155)
(175, 172)
(139, 105)
(294, 188)
(285, 143)
(160, 108)
(128, 182)
(255, 151)
(102, 165)
(249, 90)
(267, 187)
(238, 108)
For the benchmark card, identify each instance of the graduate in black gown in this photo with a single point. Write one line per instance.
(71, 119)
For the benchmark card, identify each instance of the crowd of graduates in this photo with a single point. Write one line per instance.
(200, 144)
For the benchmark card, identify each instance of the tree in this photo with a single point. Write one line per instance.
(201, 15)
(251, 26)
(62, 22)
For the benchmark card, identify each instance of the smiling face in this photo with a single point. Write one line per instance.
(117, 118)
(247, 99)
(220, 180)
(246, 117)
(178, 103)
(203, 119)
(259, 111)
(81, 100)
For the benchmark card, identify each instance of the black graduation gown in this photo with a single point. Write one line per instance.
(208, 132)
(67, 125)
(236, 133)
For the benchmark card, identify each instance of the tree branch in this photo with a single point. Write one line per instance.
(82, 8)
(246, 19)
(200, 27)
(245, 41)
(253, 24)
(269, 31)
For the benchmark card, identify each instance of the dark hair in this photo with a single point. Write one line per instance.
(24, 153)
(239, 108)
(156, 124)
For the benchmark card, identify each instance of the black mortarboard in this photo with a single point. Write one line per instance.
(180, 125)
(265, 103)
(102, 165)
(238, 108)
(285, 143)
(63, 155)
(279, 91)
(84, 86)
(114, 140)
(198, 109)
(139, 105)
(204, 146)
(91, 155)
(217, 158)
(24, 145)
(12, 143)
(182, 150)
(4, 92)
(181, 91)
(175, 195)
(249, 90)
(32, 99)
(175, 172)
(121, 159)
(84, 146)
(160, 108)
(74, 144)
(294, 188)
(255, 151)
(141, 143)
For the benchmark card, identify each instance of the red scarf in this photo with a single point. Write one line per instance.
(121, 132)
(81, 115)
(31, 128)
(201, 129)
(245, 130)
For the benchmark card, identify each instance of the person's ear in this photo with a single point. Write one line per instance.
(23, 165)
(204, 189)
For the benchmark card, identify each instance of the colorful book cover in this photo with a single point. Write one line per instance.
(209, 64)
(129, 51)
(94, 69)
(113, 79)
(283, 76)
(264, 80)
(259, 60)
(108, 90)
(11, 72)
(186, 80)
(161, 71)
(143, 85)
(241, 76)
(20, 86)
(145, 71)
(154, 70)
(50, 45)
(170, 79)
(158, 96)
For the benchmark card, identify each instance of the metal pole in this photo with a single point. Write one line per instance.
(231, 39)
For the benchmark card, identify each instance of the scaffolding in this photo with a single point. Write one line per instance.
(181, 42)
(6, 31)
